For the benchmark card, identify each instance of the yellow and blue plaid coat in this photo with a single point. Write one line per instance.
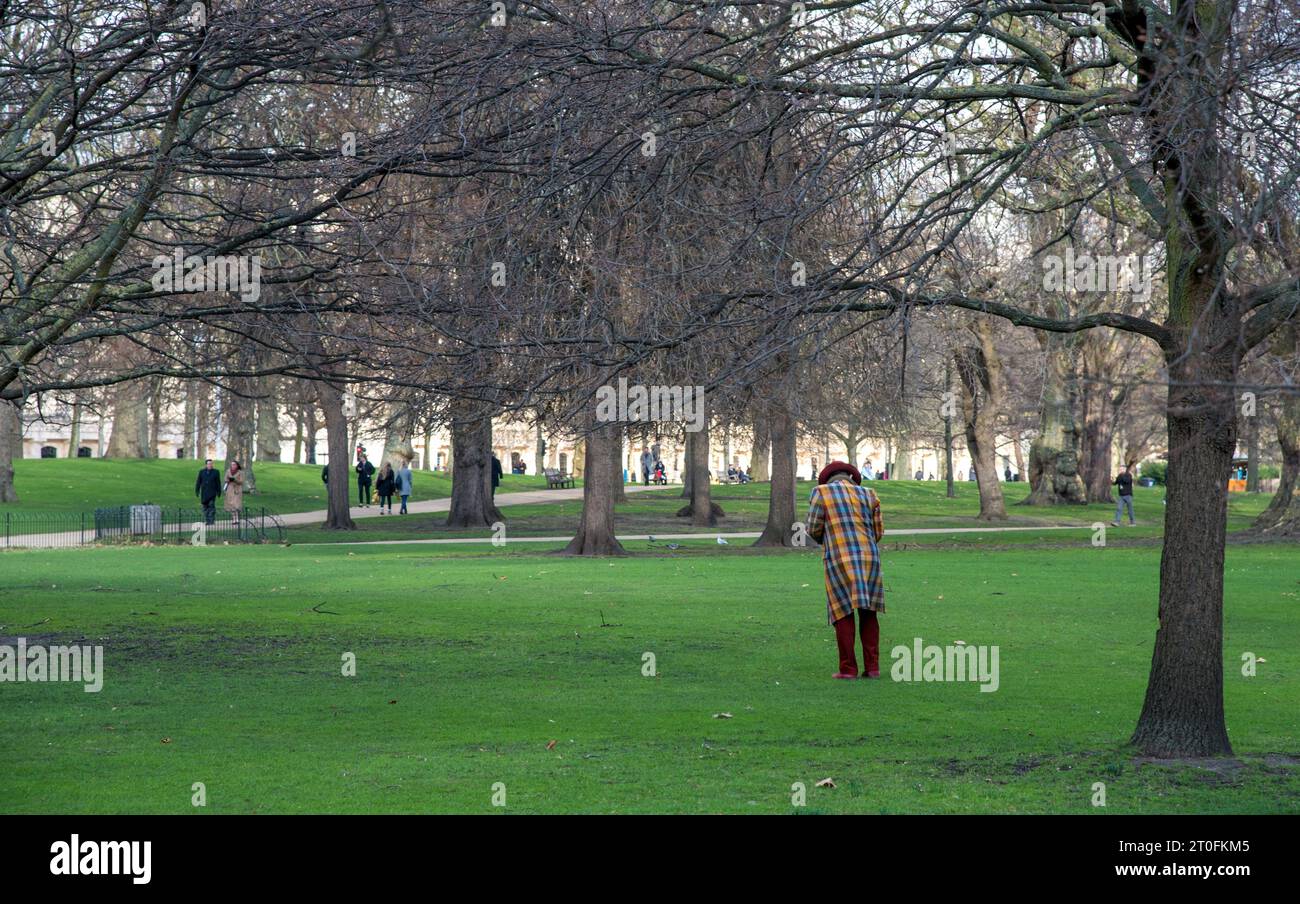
(845, 519)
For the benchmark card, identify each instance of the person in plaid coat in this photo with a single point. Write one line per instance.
(844, 517)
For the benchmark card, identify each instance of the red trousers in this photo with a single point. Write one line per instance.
(870, 631)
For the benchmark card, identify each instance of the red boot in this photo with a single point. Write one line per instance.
(870, 630)
(844, 640)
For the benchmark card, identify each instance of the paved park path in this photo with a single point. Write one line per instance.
(673, 538)
(526, 497)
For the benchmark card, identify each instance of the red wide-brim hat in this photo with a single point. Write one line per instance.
(837, 467)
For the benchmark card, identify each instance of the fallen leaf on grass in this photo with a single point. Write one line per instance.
(551, 746)
(826, 783)
(166, 740)
(722, 715)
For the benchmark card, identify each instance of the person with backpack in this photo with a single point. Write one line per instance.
(365, 472)
(404, 483)
(384, 486)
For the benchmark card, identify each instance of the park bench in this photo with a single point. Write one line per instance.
(556, 479)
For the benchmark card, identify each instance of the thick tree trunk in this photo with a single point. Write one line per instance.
(902, 467)
(702, 510)
(761, 456)
(1183, 711)
(471, 481)
(579, 467)
(130, 436)
(781, 507)
(241, 429)
(1054, 454)
(398, 447)
(1097, 439)
(268, 425)
(1282, 517)
(11, 427)
(339, 515)
(595, 535)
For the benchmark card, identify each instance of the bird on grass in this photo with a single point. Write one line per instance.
(722, 542)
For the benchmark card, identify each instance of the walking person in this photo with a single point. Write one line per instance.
(1125, 483)
(496, 474)
(208, 487)
(365, 472)
(234, 492)
(845, 518)
(647, 464)
(405, 481)
(384, 486)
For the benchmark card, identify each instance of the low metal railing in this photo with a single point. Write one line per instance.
(138, 524)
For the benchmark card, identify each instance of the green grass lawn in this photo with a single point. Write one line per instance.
(906, 504)
(85, 484)
(477, 666)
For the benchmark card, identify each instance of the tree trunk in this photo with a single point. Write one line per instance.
(702, 510)
(616, 458)
(268, 425)
(902, 467)
(781, 507)
(339, 515)
(155, 414)
(201, 424)
(471, 480)
(1183, 711)
(979, 370)
(1282, 517)
(299, 431)
(1098, 436)
(74, 430)
(579, 466)
(947, 433)
(688, 466)
(595, 535)
(11, 428)
(539, 453)
(189, 434)
(130, 436)
(760, 457)
(241, 428)
(1054, 454)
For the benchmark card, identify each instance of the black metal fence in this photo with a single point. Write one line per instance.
(138, 524)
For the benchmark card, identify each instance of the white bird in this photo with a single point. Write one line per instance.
(722, 542)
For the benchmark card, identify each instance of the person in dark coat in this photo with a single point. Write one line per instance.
(365, 472)
(208, 487)
(496, 474)
(384, 486)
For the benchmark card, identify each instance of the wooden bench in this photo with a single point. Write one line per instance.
(556, 479)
